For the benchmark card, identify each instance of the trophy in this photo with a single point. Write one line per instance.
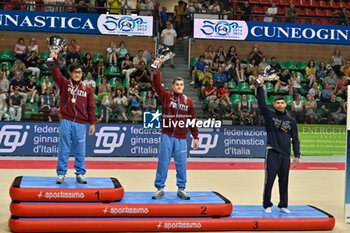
(268, 75)
(163, 54)
(56, 44)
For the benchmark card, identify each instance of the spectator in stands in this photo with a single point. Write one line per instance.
(220, 78)
(121, 51)
(101, 4)
(204, 77)
(321, 72)
(125, 4)
(215, 8)
(337, 61)
(120, 105)
(198, 68)
(142, 75)
(225, 101)
(136, 61)
(255, 54)
(150, 103)
(203, 9)
(179, 18)
(333, 111)
(217, 109)
(135, 110)
(16, 102)
(310, 72)
(315, 92)
(326, 93)
(232, 53)
(262, 65)
(20, 49)
(211, 93)
(344, 16)
(246, 10)
(296, 81)
(330, 80)
(310, 109)
(221, 53)
(245, 111)
(19, 67)
(127, 67)
(341, 85)
(163, 18)
(291, 13)
(251, 66)
(29, 5)
(49, 5)
(239, 71)
(73, 51)
(48, 104)
(168, 38)
(229, 69)
(214, 66)
(100, 66)
(31, 89)
(3, 107)
(270, 13)
(4, 83)
(107, 105)
(32, 62)
(88, 63)
(297, 109)
(46, 84)
(112, 54)
(119, 86)
(284, 83)
(82, 6)
(89, 81)
(62, 64)
(115, 6)
(131, 86)
(209, 55)
(18, 83)
(5, 71)
(149, 7)
(104, 88)
(33, 46)
(69, 6)
(275, 66)
(346, 69)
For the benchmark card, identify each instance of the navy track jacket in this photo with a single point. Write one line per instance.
(281, 128)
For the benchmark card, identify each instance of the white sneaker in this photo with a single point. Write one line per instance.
(81, 179)
(60, 179)
(192, 83)
(268, 210)
(285, 210)
(183, 195)
(157, 195)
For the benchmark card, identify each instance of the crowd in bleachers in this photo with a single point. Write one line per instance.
(314, 92)
(121, 82)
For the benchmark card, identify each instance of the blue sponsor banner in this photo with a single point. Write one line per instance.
(12, 20)
(273, 32)
(131, 140)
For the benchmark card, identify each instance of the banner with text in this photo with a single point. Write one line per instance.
(12, 20)
(130, 140)
(134, 140)
(274, 32)
(322, 139)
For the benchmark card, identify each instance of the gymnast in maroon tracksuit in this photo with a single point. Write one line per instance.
(177, 109)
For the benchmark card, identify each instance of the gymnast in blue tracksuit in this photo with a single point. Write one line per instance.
(281, 129)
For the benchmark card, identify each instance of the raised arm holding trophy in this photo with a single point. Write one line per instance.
(77, 107)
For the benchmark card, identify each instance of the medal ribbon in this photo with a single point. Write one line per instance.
(74, 91)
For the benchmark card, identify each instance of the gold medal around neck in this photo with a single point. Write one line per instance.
(73, 101)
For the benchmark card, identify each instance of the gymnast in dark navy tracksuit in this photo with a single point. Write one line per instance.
(281, 129)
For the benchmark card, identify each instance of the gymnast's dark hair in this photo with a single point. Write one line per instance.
(178, 79)
(279, 97)
(75, 66)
